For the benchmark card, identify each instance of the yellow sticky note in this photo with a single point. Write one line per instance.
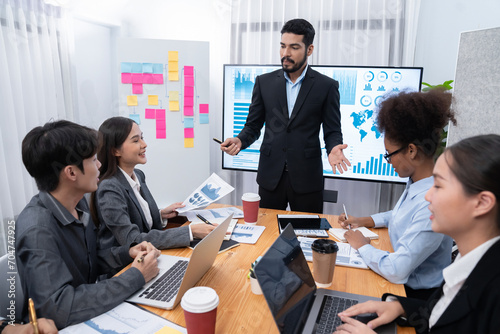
(132, 100)
(173, 105)
(173, 66)
(188, 142)
(152, 100)
(173, 56)
(173, 76)
(168, 330)
(173, 95)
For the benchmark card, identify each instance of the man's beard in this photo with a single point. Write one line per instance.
(296, 66)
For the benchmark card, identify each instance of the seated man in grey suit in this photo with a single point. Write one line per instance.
(123, 206)
(57, 255)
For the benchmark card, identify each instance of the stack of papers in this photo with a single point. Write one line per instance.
(210, 214)
(125, 318)
(247, 234)
(338, 233)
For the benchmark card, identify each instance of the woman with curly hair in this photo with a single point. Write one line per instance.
(412, 123)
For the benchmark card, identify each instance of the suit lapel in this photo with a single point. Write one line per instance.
(131, 194)
(153, 209)
(468, 298)
(281, 94)
(304, 91)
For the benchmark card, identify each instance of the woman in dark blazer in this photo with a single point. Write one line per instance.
(463, 205)
(123, 206)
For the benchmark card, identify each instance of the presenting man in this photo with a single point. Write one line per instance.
(293, 103)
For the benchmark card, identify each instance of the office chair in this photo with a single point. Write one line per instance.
(11, 291)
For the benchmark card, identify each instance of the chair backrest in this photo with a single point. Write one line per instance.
(11, 292)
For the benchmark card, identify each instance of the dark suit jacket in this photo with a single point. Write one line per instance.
(476, 307)
(295, 139)
(122, 220)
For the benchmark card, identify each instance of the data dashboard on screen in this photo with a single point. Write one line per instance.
(361, 91)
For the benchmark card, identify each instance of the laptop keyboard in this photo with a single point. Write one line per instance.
(166, 287)
(327, 319)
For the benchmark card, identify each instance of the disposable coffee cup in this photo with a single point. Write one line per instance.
(200, 310)
(324, 257)
(251, 203)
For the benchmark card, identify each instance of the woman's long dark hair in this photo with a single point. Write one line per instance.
(112, 134)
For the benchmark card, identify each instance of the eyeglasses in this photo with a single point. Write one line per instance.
(387, 156)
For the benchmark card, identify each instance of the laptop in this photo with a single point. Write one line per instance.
(179, 274)
(292, 296)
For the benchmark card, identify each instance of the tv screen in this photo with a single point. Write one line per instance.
(361, 91)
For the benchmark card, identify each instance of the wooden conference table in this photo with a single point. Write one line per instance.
(240, 311)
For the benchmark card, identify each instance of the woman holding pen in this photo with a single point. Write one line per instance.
(463, 205)
(411, 123)
(123, 206)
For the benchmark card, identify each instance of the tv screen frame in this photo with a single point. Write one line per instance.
(358, 115)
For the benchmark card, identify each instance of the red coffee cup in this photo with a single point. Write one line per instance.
(251, 203)
(200, 310)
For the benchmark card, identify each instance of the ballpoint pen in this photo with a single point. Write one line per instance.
(204, 219)
(32, 316)
(345, 213)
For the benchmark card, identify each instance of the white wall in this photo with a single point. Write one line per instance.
(439, 28)
(97, 22)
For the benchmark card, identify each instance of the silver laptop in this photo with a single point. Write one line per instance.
(178, 274)
(291, 294)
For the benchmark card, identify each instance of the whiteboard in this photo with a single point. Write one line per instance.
(172, 171)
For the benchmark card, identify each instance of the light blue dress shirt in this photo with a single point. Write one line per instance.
(420, 255)
(292, 89)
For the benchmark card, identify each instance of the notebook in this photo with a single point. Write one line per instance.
(291, 294)
(178, 274)
(338, 233)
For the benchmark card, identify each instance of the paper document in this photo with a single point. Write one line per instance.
(213, 189)
(247, 234)
(230, 228)
(346, 256)
(338, 233)
(212, 214)
(125, 319)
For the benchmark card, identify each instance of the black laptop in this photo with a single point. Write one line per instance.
(291, 294)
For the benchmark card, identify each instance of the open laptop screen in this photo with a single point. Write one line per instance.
(286, 282)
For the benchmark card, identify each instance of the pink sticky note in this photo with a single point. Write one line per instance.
(188, 101)
(188, 111)
(160, 114)
(161, 124)
(126, 78)
(188, 91)
(147, 78)
(161, 133)
(136, 88)
(158, 79)
(188, 70)
(189, 133)
(150, 114)
(137, 78)
(203, 108)
(189, 80)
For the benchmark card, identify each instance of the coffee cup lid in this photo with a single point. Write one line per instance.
(200, 299)
(250, 197)
(324, 246)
